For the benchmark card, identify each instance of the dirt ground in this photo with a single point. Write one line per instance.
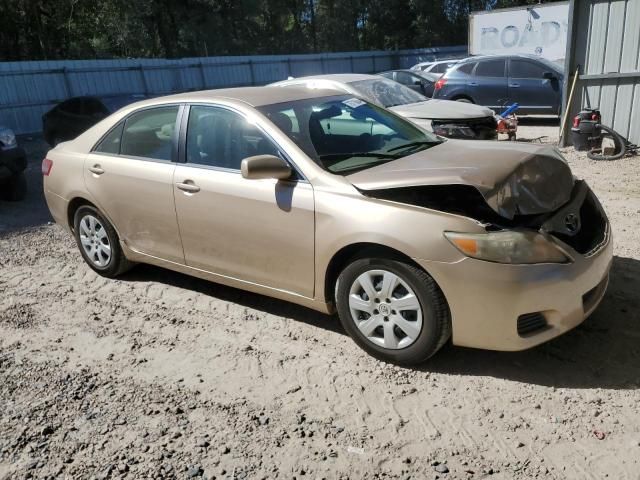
(158, 375)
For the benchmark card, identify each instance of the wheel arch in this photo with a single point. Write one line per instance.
(355, 251)
(73, 207)
(460, 96)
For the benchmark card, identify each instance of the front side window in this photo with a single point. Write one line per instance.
(345, 134)
(217, 137)
(386, 93)
(490, 68)
(149, 133)
(525, 69)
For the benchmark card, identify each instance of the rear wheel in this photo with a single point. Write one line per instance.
(15, 188)
(463, 100)
(99, 243)
(393, 310)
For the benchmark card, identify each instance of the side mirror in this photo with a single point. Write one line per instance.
(548, 76)
(265, 166)
(417, 82)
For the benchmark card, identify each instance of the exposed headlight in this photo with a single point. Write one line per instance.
(453, 130)
(515, 247)
(7, 138)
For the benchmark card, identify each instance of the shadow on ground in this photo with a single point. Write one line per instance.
(604, 352)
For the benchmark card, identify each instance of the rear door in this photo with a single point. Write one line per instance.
(529, 87)
(130, 176)
(488, 83)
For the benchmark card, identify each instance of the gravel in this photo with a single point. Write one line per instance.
(149, 376)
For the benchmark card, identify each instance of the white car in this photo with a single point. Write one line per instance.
(440, 66)
(443, 117)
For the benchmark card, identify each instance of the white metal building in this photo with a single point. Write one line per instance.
(603, 45)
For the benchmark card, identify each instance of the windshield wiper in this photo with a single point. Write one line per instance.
(337, 156)
(415, 144)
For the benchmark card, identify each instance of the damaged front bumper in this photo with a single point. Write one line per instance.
(514, 307)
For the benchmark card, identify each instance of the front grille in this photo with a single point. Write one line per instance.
(593, 229)
(531, 323)
(484, 128)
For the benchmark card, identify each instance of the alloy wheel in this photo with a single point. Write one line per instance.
(95, 241)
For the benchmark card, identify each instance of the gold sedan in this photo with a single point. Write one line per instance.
(323, 199)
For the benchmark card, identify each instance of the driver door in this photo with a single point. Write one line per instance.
(257, 231)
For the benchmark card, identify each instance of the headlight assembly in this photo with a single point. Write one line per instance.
(514, 247)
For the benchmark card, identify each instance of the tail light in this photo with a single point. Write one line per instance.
(46, 167)
(576, 121)
(439, 84)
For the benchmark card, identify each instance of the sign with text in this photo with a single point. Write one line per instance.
(536, 30)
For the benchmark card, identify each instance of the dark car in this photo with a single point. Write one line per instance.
(72, 117)
(421, 82)
(495, 81)
(13, 162)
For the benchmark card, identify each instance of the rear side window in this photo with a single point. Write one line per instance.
(466, 68)
(149, 133)
(405, 78)
(490, 68)
(525, 69)
(111, 142)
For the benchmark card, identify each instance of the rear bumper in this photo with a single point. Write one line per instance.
(12, 161)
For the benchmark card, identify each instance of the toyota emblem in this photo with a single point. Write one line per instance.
(572, 222)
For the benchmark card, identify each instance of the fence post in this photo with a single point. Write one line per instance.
(289, 72)
(67, 82)
(251, 72)
(351, 64)
(322, 67)
(373, 60)
(143, 77)
(203, 79)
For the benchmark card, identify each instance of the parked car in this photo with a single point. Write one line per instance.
(70, 118)
(495, 81)
(13, 162)
(421, 82)
(439, 66)
(449, 119)
(329, 201)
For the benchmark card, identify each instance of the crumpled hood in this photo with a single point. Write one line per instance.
(442, 110)
(514, 178)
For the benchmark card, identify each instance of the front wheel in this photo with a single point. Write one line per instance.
(393, 310)
(99, 243)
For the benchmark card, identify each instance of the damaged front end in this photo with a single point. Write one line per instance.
(581, 223)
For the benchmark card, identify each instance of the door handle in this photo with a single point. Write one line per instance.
(514, 85)
(188, 186)
(472, 84)
(96, 169)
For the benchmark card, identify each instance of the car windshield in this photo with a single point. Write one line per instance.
(386, 93)
(344, 134)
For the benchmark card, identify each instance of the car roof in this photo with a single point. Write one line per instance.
(254, 96)
(475, 58)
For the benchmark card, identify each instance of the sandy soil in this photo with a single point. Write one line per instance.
(158, 375)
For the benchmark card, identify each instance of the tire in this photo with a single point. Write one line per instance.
(15, 188)
(463, 100)
(93, 236)
(430, 328)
